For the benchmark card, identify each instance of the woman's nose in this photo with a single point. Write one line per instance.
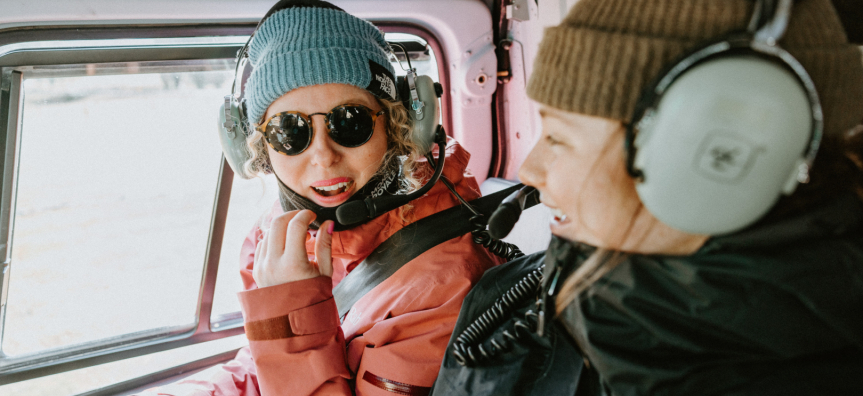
(322, 148)
(532, 171)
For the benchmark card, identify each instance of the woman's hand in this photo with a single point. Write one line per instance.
(281, 256)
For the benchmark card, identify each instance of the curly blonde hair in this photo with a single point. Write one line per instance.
(400, 147)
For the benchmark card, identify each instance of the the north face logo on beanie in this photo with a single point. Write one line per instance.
(382, 83)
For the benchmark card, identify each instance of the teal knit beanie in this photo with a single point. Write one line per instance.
(303, 46)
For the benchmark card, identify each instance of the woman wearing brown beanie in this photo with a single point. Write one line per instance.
(770, 304)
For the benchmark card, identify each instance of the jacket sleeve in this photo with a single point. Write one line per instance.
(293, 331)
(237, 377)
(234, 378)
(299, 348)
(295, 344)
(298, 344)
(295, 339)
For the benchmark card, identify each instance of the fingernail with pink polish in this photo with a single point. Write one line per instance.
(330, 228)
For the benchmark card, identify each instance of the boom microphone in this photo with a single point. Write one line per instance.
(369, 208)
(506, 215)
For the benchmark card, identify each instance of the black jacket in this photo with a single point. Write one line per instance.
(773, 310)
(548, 365)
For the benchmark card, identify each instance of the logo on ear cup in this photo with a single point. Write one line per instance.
(726, 157)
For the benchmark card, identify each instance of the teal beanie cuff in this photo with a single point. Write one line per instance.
(304, 46)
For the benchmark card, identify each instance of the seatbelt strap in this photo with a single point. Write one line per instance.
(408, 243)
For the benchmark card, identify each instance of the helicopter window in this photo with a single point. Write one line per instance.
(104, 254)
(101, 248)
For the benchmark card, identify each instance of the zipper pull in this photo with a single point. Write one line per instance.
(540, 327)
(554, 280)
(540, 322)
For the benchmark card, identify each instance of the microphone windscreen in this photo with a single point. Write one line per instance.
(503, 220)
(352, 212)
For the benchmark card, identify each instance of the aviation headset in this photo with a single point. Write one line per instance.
(726, 130)
(418, 93)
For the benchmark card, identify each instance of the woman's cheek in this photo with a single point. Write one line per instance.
(568, 168)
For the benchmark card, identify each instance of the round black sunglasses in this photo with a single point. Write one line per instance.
(349, 125)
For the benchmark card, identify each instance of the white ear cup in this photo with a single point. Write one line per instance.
(723, 143)
(232, 136)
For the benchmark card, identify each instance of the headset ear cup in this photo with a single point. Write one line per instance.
(232, 136)
(722, 143)
(425, 127)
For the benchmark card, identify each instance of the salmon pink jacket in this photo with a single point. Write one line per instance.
(393, 339)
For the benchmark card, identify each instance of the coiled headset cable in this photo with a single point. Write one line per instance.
(469, 348)
(480, 234)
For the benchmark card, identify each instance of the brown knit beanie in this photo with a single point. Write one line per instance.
(598, 60)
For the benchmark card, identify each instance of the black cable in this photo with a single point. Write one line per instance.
(407, 56)
(469, 349)
(500, 248)
(480, 234)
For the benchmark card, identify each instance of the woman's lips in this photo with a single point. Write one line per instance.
(322, 189)
(560, 223)
(558, 217)
(330, 182)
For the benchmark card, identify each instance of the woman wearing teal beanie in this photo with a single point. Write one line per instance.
(326, 119)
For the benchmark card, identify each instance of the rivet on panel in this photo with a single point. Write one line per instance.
(481, 79)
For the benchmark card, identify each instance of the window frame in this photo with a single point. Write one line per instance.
(30, 49)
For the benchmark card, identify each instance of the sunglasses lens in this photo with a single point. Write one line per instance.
(290, 134)
(351, 126)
